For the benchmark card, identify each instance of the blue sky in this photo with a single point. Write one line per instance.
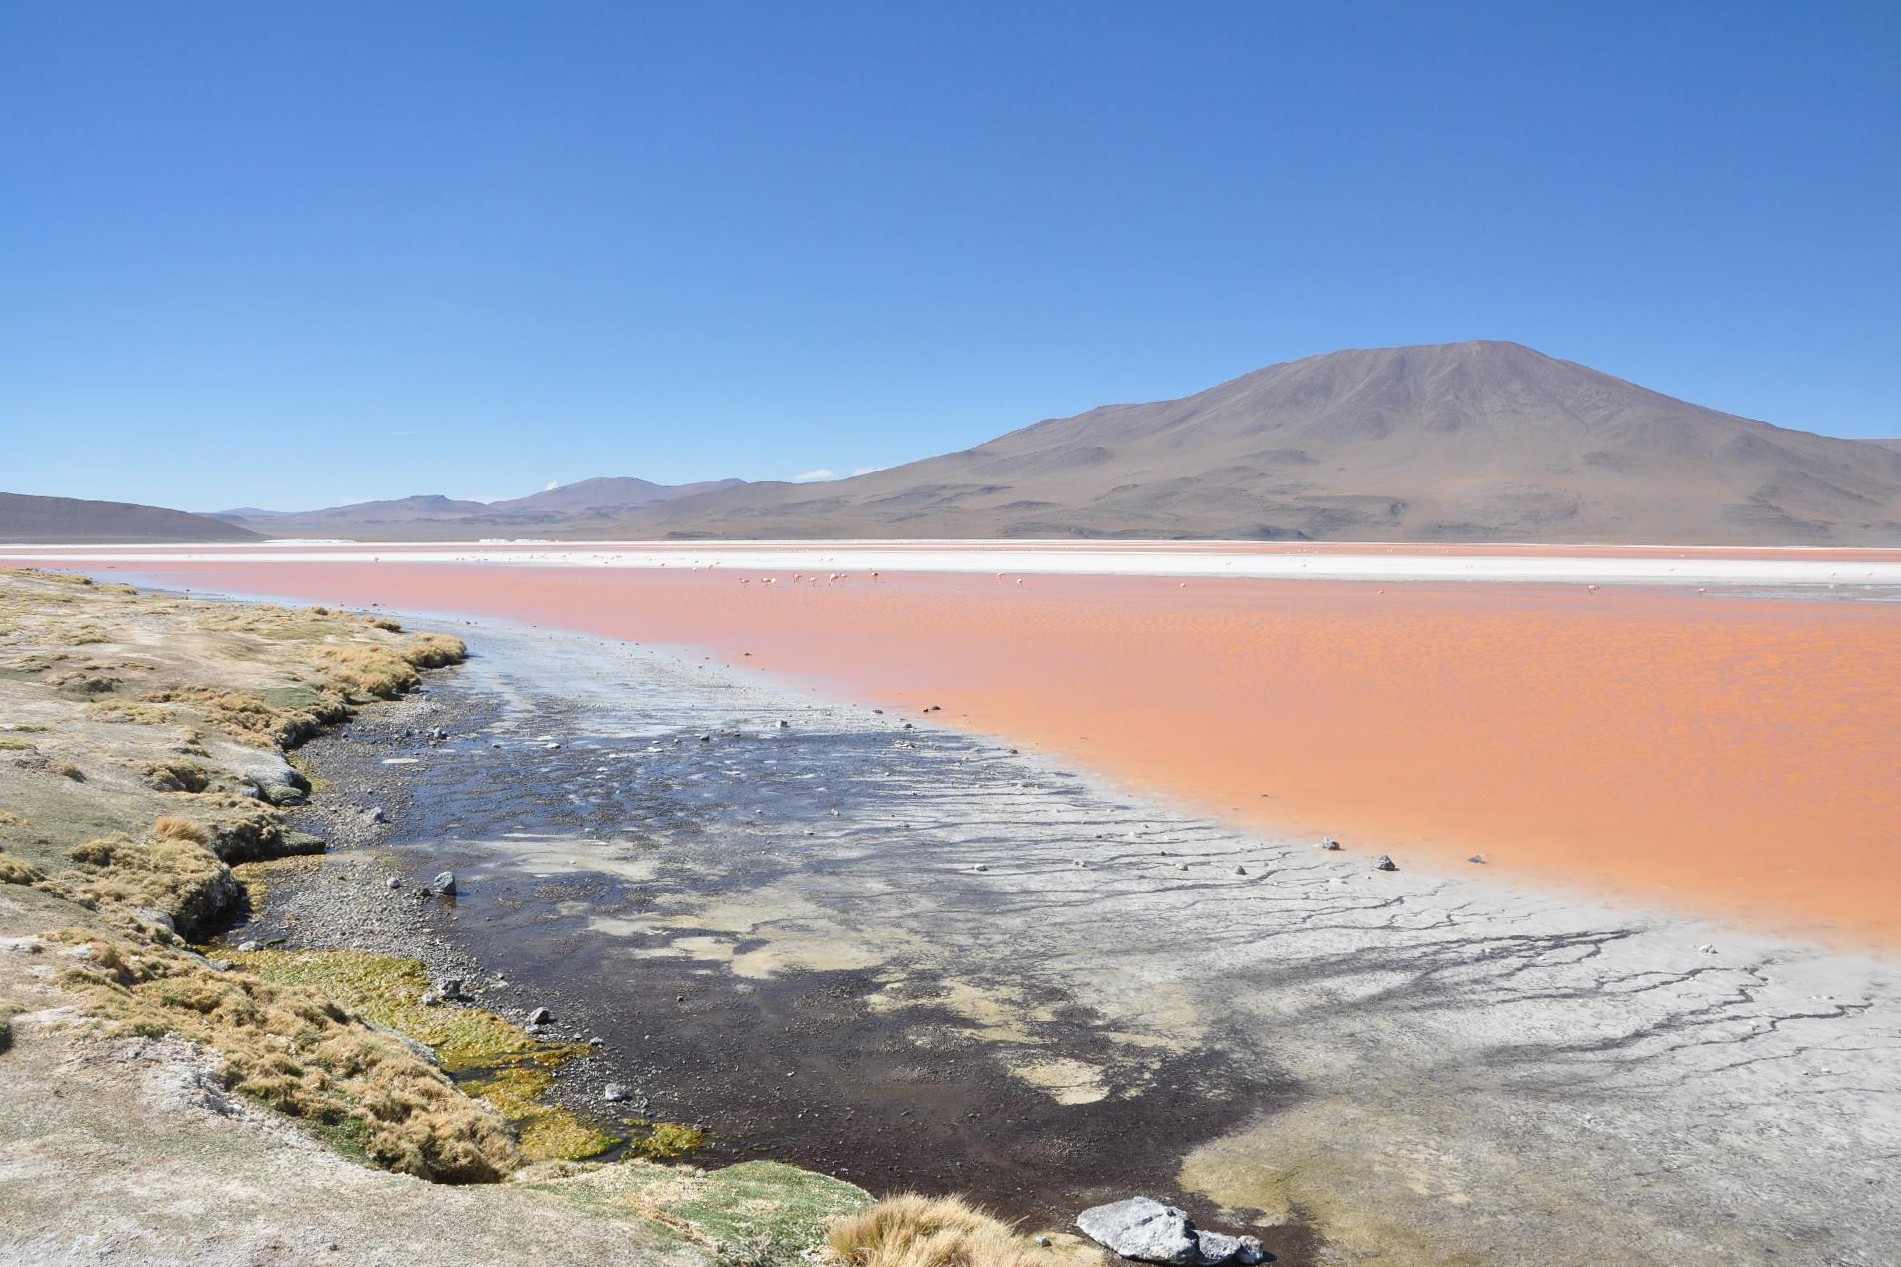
(292, 254)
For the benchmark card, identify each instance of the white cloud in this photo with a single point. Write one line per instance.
(807, 477)
(865, 470)
(550, 486)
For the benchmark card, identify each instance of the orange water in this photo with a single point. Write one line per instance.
(1727, 756)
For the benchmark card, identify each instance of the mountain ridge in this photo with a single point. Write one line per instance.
(1485, 440)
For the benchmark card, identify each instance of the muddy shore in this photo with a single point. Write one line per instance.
(789, 1059)
(915, 959)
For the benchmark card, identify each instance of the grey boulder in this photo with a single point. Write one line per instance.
(1144, 1229)
(444, 883)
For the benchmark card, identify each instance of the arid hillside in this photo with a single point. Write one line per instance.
(1455, 442)
(68, 519)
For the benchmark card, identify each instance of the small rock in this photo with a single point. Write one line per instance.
(218, 965)
(1384, 863)
(540, 1016)
(376, 814)
(552, 747)
(980, 867)
(615, 1093)
(1181, 866)
(450, 988)
(431, 999)
(1215, 1248)
(1477, 857)
(1330, 843)
(393, 882)
(1240, 870)
(247, 947)
(784, 724)
(443, 884)
(1043, 1242)
(1143, 1228)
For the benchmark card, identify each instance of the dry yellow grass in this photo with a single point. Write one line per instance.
(173, 874)
(917, 1231)
(248, 718)
(177, 776)
(367, 669)
(18, 870)
(435, 651)
(298, 1052)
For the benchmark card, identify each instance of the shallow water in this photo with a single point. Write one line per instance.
(644, 878)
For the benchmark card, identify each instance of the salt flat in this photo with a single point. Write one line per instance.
(1611, 566)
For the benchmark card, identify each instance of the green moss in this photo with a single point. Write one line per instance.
(548, 1132)
(664, 1140)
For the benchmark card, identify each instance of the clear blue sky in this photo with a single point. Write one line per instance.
(290, 254)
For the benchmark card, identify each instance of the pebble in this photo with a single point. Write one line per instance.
(1477, 857)
(540, 1016)
(393, 883)
(1330, 843)
(1384, 863)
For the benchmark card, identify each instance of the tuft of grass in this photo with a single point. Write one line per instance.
(300, 1053)
(9, 744)
(67, 770)
(918, 1231)
(366, 669)
(135, 714)
(503, 1063)
(172, 873)
(18, 870)
(435, 651)
(177, 776)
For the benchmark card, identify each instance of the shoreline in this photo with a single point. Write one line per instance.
(379, 1125)
(1615, 745)
(1012, 973)
(1408, 1012)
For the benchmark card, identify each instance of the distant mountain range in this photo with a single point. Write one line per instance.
(1483, 441)
(434, 517)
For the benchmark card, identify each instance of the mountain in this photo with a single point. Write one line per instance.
(606, 496)
(1484, 441)
(26, 519)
